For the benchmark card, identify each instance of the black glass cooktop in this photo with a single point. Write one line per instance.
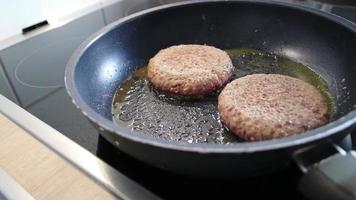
(69, 121)
(280, 185)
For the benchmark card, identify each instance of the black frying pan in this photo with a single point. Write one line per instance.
(322, 41)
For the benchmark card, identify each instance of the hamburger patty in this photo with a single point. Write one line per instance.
(267, 106)
(190, 69)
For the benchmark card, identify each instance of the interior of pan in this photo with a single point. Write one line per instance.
(107, 59)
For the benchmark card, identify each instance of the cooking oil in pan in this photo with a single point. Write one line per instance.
(140, 107)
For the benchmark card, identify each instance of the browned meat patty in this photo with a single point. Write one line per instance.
(190, 69)
(267, 106)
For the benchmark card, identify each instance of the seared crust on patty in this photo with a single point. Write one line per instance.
(267, 106)
(190, 69)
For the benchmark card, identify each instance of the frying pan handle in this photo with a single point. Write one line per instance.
(331, 178)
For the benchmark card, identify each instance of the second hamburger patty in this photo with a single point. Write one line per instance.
(190, 69)
(267, 106)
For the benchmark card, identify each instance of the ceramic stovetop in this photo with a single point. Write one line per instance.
(69, 121)
(73, 124)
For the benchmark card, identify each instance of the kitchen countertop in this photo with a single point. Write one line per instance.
(50, 166)
(40, 171)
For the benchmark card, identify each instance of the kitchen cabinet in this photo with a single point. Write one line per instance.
(115, 9)
(16, 15)
(67, 9)
(5, 88)
(36, 66)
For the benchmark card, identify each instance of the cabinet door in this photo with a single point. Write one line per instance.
(36, 66)
(16, 15)
(116, 9)
(5, 88)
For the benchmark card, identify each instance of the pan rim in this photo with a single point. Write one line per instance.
(343, 123)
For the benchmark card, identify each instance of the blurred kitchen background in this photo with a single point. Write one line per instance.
(37, 38)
